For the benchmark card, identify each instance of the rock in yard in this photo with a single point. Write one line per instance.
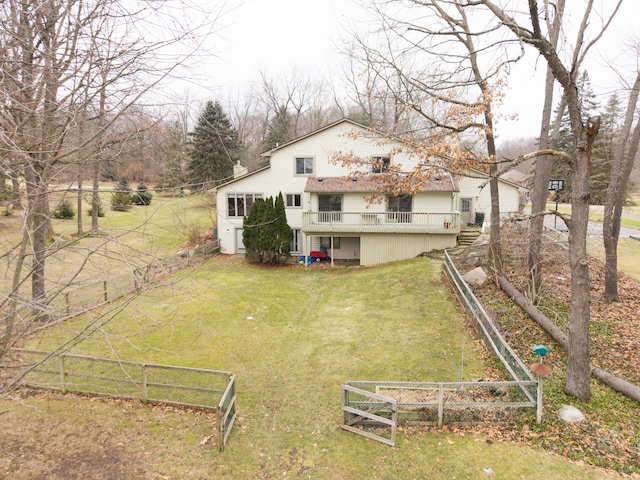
(475, 277)
(570, 414)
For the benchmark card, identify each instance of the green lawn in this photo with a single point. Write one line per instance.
(158, 231)
(596, 216)
(292, 336)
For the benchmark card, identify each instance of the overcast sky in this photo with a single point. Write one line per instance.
(277, 36)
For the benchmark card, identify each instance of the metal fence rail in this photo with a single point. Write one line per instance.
(440, 402)
(511, 362)
(445, 402)
(190, 387)
(81, 295)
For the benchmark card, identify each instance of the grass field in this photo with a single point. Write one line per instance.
(291, 336)
(126, 240)
(597, 216)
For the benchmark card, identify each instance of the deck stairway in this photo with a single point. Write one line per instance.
(468, 235)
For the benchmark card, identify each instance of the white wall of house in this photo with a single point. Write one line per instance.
(322, 146)
(481, 199)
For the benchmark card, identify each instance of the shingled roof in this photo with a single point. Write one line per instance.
(440, 183)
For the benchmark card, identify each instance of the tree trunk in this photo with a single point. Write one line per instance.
(80, 232)
(577, 381)
(551, 328)
(616, 195)
(95, 197)
(39, 224)
(3, 185)
(618, 384)
(16, 204)
(544, 165)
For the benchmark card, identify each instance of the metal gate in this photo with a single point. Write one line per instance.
(367, 409)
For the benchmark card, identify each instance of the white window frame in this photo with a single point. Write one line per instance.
(290, 200)
(243, 196)
(305, 161)
(386, 162)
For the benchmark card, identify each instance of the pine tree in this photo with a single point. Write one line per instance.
(283, 232)
(176, 158)
(603, 150)
(215, 147)
(566, 142)
(280, 130)
(142, 196)
(121, 199)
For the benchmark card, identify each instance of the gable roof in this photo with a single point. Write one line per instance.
(241, 177)
(482, 173)
(269, 153)
(368, 184)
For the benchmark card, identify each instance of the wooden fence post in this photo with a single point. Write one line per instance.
(105, 290)
(144, 384)
(440, 404)
(62, 383)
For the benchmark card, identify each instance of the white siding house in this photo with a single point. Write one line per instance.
(475, 197)
(330, 211)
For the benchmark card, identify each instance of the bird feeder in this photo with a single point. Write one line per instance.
(541, 371)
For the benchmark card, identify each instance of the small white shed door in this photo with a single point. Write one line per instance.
(239, 242)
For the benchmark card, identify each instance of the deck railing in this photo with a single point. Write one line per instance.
(381, 222)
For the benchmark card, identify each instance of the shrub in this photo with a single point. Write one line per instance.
(266, 235)
(121, 199)
(142, 196)
(100, 210)
(64, 210)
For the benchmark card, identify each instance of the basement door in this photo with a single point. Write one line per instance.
(466, 211)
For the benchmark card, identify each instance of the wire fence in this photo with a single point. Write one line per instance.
(511, 362)
(73, 301)
(445, 402)
(210, 390)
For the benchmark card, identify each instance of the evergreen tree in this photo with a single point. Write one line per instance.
(142, 196)
(283, 232)
(215, 147)
(266, 235)
(603, 150)
(280, 129)
(64, 210)
(251, 233)
(566, 142)
(176, 158)
(121, 199)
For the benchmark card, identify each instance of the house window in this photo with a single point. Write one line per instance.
(380, 164)
(239, 204)
(465, 205)
(325, 244)
(294, 199)
(296, 243)
(399, 208)
(330, 207)
(304, 166)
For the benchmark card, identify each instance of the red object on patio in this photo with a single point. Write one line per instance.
(317, 254)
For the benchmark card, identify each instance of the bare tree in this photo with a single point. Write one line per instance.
(62, 60)
(446, 68)
(626, 150)
(544, 164)
(529, 29)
